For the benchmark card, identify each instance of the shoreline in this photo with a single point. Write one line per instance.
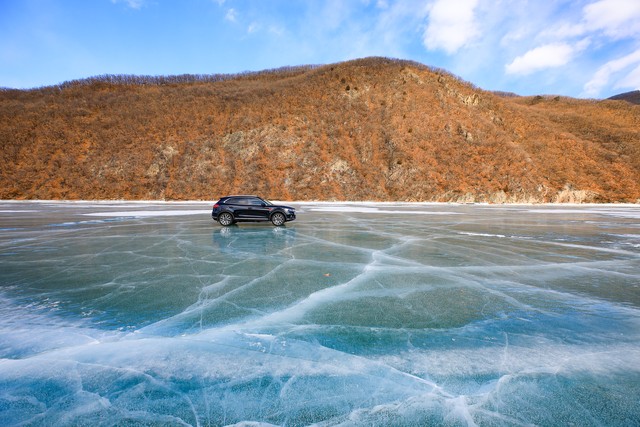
(317, 202)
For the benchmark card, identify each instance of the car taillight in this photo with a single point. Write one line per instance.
(216, 206)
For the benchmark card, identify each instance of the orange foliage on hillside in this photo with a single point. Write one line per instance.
(370, 129)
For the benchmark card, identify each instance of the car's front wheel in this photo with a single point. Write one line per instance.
(277, 219)
(225, 218)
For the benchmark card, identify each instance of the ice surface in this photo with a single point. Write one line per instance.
(354, 314)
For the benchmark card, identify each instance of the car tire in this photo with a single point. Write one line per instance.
(278, 219)
(225, 219)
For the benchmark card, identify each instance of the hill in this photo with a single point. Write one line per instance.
(632, 97)
(369, 129)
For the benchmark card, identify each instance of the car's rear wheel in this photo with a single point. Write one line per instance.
(277, 219)
(225, 218)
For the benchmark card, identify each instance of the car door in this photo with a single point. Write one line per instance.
(240, 206)
(258, 209)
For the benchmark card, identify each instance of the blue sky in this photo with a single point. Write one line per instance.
(579, 48)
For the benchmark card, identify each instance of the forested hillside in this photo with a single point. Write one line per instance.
(370, 129)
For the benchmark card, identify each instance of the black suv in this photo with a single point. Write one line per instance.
(231, 209)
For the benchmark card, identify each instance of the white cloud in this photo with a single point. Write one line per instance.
(605, 73)
(451, 25)
(548, 56)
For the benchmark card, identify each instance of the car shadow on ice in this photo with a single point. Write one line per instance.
(254, 240)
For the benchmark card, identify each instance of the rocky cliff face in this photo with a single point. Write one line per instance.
(371, 129)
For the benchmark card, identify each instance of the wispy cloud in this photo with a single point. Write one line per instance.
(575, 47)
(231, 15)
(253, 27)
(133, 4)
(628, 66)
(576, 35)
(276, 30)
(631, 80)
(615, 18)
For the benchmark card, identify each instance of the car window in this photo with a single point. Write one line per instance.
(255, 202)
(236, 201)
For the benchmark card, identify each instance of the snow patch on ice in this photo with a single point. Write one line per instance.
(148, 214)
(365, 209)
(466, 233)
(618, 213)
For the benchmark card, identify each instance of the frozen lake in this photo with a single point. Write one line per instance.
(355, 314)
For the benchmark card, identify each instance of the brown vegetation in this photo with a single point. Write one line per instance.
(371, 129)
